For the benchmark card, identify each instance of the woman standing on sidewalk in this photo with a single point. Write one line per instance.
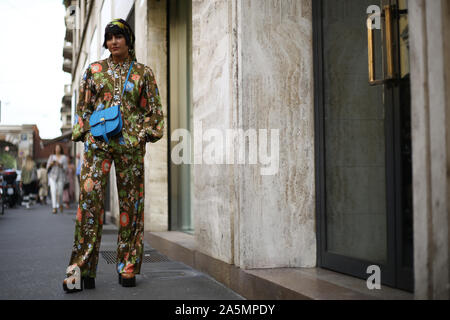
(105, 85)
(56, 168)
(28, 181)
(43, 183)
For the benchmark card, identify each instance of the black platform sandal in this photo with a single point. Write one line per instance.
(127, 282)
(88, 282)
(85, 283)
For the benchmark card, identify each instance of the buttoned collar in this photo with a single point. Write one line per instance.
(124, 66)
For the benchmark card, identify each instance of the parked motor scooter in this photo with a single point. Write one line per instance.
(10, 188)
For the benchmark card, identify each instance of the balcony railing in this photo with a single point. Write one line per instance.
(69, 35)
(68, 90)
(66, 108)
(67, 66)
(68, 50)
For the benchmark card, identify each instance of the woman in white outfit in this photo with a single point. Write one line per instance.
(57, 168)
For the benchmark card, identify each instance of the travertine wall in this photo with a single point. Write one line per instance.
(252, 69)
(156, 173)
(277, 213)
(214, 201)
(430, 87)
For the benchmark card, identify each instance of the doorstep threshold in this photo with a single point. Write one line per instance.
(274, 283)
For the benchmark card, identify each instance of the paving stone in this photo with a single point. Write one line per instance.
(35, 248)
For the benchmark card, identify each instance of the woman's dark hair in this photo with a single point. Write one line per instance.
(119, 26)
(60, 146)
(116, 32)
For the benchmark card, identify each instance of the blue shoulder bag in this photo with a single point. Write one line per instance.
(107, 123)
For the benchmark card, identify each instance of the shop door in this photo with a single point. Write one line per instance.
(363, 138)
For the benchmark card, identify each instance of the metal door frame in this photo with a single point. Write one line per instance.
(352, 266)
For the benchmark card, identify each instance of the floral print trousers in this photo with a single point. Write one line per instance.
(129, 166)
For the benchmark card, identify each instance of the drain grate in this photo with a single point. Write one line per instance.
(150, 256)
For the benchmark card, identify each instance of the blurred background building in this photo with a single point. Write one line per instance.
(16, 142)
(363, 164)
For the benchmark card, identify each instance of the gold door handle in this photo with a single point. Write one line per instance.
(387, 13)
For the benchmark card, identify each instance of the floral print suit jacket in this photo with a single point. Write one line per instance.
(101, 87)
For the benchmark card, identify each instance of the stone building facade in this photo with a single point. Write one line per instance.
(362, 168)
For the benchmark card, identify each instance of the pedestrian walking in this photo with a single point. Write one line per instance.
(116, 83)
(34, 196)
(43, 184)
(28, 182)
(69, 185)
(57, 167)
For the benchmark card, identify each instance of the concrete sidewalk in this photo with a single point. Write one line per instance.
(35, 247)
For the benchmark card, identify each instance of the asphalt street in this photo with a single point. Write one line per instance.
(35, 247)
